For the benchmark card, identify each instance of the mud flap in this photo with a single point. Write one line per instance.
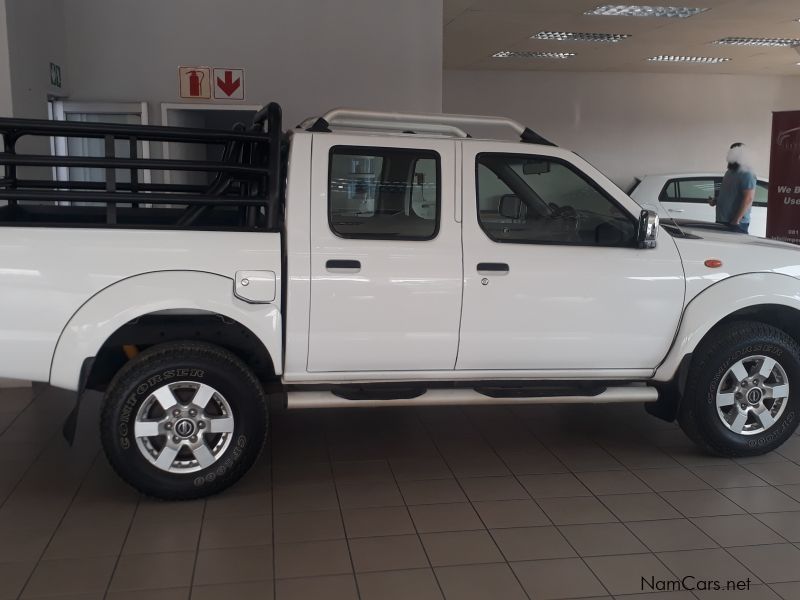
(71, 422)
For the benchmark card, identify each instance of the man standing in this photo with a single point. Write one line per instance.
(738, 189)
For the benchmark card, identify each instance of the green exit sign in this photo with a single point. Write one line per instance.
(55, 75)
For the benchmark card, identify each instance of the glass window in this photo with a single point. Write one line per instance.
(670, 192)
(694, 190)
(762, 190)
(384, 193)
(527, 199)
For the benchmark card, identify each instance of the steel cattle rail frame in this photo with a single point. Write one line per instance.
(247, 176)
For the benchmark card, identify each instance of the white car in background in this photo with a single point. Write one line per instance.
(684, 196)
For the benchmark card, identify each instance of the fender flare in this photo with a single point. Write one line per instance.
(721, 300)
(114, 306)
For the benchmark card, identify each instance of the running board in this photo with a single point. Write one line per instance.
(455, 397)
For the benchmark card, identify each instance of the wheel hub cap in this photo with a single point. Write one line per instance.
(184, 427)
(752, 395)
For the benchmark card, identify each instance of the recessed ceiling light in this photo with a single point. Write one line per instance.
(528, 54)
(745, 41)
(568, 36)
(689, 59)
(633, 10)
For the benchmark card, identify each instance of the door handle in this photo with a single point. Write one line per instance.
(676, 210)
(343, 264)
(490, 267)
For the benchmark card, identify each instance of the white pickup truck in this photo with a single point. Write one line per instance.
(372, 259)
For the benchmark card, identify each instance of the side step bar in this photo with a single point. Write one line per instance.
(455, 397)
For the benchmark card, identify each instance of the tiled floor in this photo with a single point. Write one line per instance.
(542, 502)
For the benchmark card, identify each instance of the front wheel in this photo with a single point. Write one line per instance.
(183, 420)
(742, 396)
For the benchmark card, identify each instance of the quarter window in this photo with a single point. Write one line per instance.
(532, 199)
(384, 193)
(761, 194)
(697, 191)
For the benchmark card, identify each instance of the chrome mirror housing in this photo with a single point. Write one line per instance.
(648, 229)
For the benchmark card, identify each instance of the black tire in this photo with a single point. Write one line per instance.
(698, 416)
(191, 362)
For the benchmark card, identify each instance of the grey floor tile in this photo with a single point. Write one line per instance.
(361, 471)
(493, 488)
(532, 462)
(559, 578)
(532, 543)
(86, 542)
(25, 543)
(623, 574)
(69, 576)
(554, 485)
(777, 473)
(791, 490)
(309, 526)
(237, 532)
(419, 584)
(387, 553)
(153, 571)
(371, 522)
(714, 563)
(787, 591)
(727, 476)
(787, 524)
(305, 497)
(479, 582)
(671, 480)
(182, 593)
(460, 548)
(753, 592)
(233, 565)
(702, 503)
(612, 482)
(413, 469)
(310, 559)
(737, 530)
(432, 491)
(250, 590)
(13, 577)
(576, 511)
(775, 563)
(150, 511)
(762, 499)
(511, 513)
(639, 507)
(164, 536)
(673, 534)
(330, 587)
(431, 518)
(601, 539)
(369, 494)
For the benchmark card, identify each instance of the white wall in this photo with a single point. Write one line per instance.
(629, 124)
(309, 55)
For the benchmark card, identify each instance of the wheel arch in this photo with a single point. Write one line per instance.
(164, 306)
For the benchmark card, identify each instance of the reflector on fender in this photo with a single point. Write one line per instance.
(713, 263)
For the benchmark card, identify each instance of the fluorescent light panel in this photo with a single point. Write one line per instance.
(745, 41)
(708, 60)
(569, 36)
(529, 54)
(634, 10)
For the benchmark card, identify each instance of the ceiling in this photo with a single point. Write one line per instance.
(476, 29)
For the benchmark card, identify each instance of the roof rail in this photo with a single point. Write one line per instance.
(417, 123)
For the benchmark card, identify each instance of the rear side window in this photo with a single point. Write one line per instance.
(695, 190)
(761, 194)
(384, 193)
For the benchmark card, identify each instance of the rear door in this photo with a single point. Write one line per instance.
(386, 271)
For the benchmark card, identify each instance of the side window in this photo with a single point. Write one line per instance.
(384, 193)
(698, 190)
(670, 192)
(761, 194)
(531, 199)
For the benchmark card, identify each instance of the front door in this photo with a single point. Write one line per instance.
(385, 255)
(553, 279)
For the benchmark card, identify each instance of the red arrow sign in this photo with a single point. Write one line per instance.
(229, 85)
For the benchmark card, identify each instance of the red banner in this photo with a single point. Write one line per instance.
(783, 206)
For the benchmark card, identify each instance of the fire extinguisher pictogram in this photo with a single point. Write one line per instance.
(195, 83)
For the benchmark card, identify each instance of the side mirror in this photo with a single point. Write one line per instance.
(510, 207)
(647, 232)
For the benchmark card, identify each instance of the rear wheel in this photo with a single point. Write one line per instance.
(183, 420)
(743, 392)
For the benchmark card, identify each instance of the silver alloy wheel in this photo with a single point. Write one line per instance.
(184, 427)
(752, 395)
